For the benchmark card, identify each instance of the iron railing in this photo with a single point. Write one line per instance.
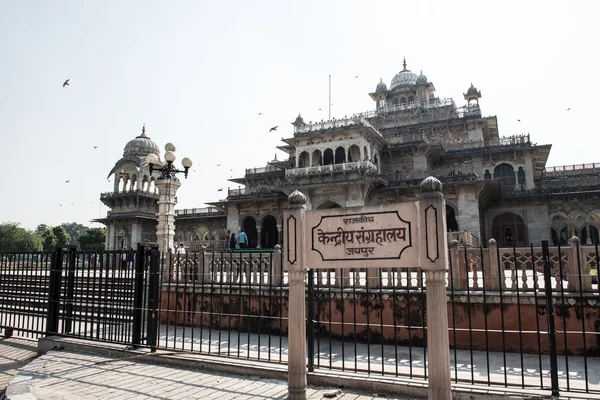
(230, 304)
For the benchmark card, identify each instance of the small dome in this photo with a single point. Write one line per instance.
(422, 79)
(141, 146)
(404, 78)
(381, 87)
(472, 90)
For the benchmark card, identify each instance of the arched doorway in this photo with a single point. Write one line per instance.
(509, 230)
(249, 227)
(303, 160)
(269, 236)
(317, 159)
(451, 224)
(354, 153)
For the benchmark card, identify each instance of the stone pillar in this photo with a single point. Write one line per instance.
(434, 261)
(468, 209)
(577, 266)
(529, 184)
(279, 234)
(136, 234)
(110, 237)
(165, 229)
(495, 279)
(294, 220)
(258, 237)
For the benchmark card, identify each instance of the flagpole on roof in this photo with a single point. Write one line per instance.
(329, 96)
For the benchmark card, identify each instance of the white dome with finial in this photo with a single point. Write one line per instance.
(422, 79)
(404, 78)
(141, 146)
(381, 87)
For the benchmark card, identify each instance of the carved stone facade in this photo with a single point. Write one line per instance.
(495, 187)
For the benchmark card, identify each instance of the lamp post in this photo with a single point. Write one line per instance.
(167, 184)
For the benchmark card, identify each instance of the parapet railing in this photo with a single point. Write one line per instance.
(570, 170)
(351, 166)
(515, 140)
(199, 211)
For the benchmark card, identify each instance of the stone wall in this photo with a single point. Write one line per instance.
(267, 313)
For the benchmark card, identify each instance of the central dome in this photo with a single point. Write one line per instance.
(141, 146)
(404, 78)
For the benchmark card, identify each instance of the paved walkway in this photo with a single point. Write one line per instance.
(14, 354)
(75, 375)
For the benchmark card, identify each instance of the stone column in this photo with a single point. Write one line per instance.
(165, 229)
(434, 261)
(294, 221)
(258, 238)
(468, 209)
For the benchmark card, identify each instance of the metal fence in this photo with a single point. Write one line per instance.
(225, 303)
(520, 317)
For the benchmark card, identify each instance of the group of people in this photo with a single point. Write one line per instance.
(240, 242)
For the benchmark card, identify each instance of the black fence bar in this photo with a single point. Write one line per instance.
(310, 328)
(138, 296)
(550, 316)
(54, 292)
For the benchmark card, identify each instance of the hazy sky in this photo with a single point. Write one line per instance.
(198, 73)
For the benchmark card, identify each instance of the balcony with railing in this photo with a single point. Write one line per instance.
(199, 212)
(264, 171)
(463, 173)
(571, 170)
(507, 141)
(331, 125)
(252, 192)
(145, 193)
(130, 214)
(332, 168)
(568, 184)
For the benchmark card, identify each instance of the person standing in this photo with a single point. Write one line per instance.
(243, 239)
(227, 239)
(232, 242)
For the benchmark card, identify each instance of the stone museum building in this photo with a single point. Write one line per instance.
(495, 186)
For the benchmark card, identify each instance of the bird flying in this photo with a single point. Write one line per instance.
(66, 83)
(519, 120)
(95, 147)
(356, 76)
(67, 181)
(273, 128)
(220, 190)
(218, 165)
(568, 108)
(259, 113)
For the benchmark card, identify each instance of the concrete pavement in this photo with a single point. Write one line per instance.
(67, 374)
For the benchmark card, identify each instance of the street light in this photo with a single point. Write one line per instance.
(167, 184)
(168, 171)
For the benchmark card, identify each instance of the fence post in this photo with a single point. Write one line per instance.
(434, 261)
(491, 268)
(550, 316)
(138, 295)
(68, 322)
(295, 251)
(54, 292)
(574, 270)
(153, 286)
(310, 334)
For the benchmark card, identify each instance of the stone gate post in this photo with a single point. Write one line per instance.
(434, 261)
(294, 219)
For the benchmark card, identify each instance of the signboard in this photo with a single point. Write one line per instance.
(367, 236)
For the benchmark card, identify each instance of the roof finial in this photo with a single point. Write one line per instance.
(144, 129)
(404, 63)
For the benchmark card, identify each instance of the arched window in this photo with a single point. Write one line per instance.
(317, 158)
(451, 223)
(509, 230)
(328, 157)
(403, 100)
(303, 160)
(521, 178)
(411, 99)
(328, 204)
(353, 153)
(506, 174)
(340, 155)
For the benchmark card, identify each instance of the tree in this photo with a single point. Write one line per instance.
(62, 237)
(48, 240)
(74, 230)
(41, 228)
(92, 239)
(13, 238)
